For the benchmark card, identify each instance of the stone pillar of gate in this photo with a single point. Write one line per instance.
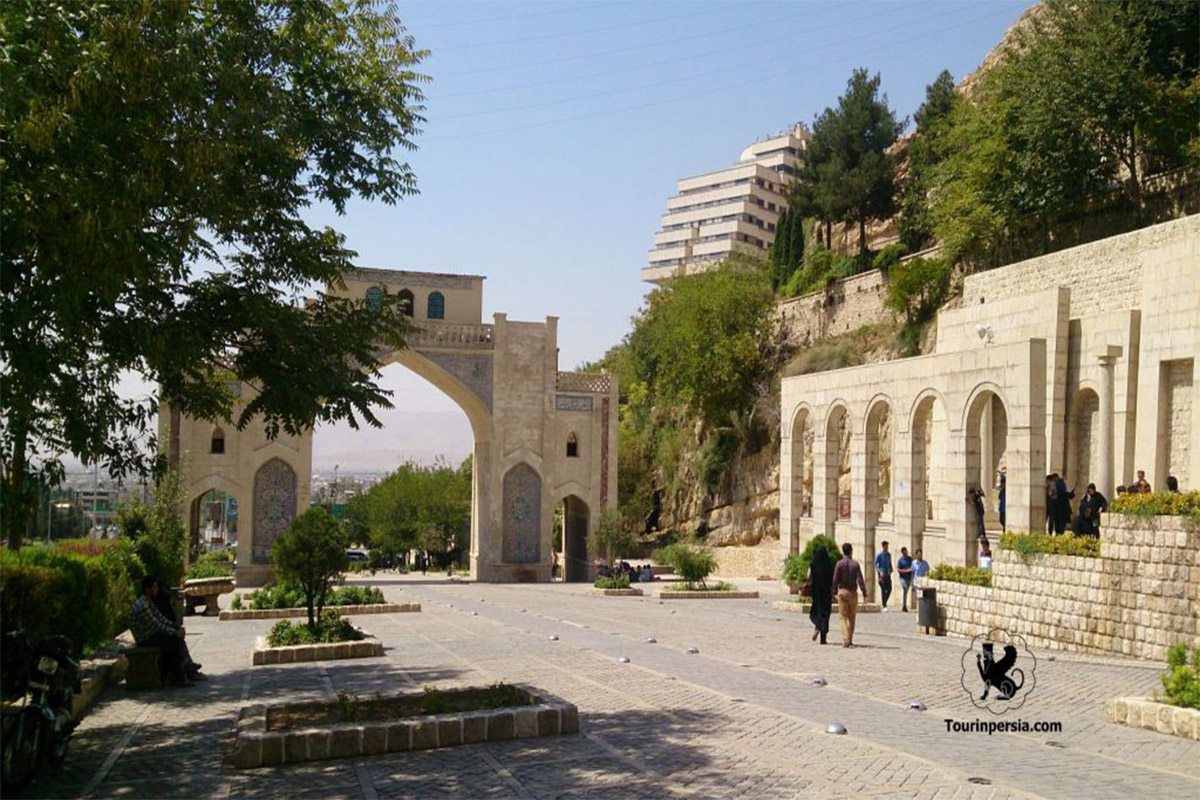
(824, 498)
(788, 539)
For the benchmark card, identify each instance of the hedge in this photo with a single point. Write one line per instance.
(1158, 504)
(77, 588)
(1031, 544)
(972, 576)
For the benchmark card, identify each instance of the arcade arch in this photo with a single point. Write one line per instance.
(1083, 438)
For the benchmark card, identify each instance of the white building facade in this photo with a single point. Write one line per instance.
(732, 209)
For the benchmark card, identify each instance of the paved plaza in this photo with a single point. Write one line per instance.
(741, 718)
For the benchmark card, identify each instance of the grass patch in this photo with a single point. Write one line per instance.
(612, 583)
(843, 350)
(352, 708)
(330, 628)
(289, 595)
(718, 586)
(1027, 545)
(971, 576)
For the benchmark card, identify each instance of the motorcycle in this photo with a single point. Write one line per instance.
(47, 679)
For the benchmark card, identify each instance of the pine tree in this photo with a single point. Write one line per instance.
(781, 255)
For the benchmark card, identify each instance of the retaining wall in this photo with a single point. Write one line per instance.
(1141, 595)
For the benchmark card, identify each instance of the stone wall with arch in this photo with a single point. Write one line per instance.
(1081, 362)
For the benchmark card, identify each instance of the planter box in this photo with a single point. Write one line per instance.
(630, 592)
(804, 608)
(345, 611)
(1144, 712)
(667, 594)
(258, 747)
(363, 648)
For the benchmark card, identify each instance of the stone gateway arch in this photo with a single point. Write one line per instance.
(542, 436)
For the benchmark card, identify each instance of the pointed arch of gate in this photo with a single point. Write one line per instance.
(466, 399)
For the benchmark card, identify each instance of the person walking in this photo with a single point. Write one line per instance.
(1051, 503)
(904, 569)
(985, 553)
(975, 501)
(820, 579)
(883, 570)
(920, 570)
(847, 581)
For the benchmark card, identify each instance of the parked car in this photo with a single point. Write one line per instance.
(356, 555)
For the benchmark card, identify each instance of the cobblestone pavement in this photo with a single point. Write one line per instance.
(741, 718)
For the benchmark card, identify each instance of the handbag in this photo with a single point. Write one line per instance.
(806, 588)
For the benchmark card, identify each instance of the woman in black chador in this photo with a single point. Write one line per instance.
(820, 576)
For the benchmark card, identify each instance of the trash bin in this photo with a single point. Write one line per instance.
(927, 609)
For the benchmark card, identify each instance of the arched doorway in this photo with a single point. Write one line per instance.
(577, 566)
(986, 452)
(877, 504)
(1083, 438)
(803, 437)
(213, 519)
(837, 464)
(930, 452)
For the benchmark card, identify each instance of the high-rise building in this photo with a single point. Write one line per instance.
(732, 209)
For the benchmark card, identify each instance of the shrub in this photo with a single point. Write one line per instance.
(692, 561)
(212, 565)
(889, 256)
(290, 594)
(236, 605)
(311, 552)
(1027, 545)
(804, 559)
(81, 590)
(972, 576)
(916, 288)
(330, 628)
(1181, 681)
(612, 583)
(1158, 504)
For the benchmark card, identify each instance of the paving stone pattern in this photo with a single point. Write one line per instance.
(740, 718)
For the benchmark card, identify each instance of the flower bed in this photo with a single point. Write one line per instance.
(716, 591)
(627, 592)
(290, 595)
(332, 638)
(1031, 544)
(294, 613)
(971, 576)
(286, 733)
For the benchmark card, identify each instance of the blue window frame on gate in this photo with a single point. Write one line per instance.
(436, 307)
(374, 298)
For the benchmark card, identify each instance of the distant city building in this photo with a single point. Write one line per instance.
(732, 209)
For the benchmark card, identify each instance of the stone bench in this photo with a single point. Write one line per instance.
(142, 671)
(205, 591)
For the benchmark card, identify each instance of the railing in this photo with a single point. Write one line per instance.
(590, 382)
(450, 335)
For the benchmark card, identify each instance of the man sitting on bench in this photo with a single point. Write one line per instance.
(151, 629)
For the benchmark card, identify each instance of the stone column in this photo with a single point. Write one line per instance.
(1104, 479)
(862, 517)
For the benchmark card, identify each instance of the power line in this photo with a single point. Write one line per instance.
(581, 32)
(690, 76)
(631, 48)
(666, 62)
(563, 8)
(707, 92)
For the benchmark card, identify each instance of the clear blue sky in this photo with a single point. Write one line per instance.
(556, 133)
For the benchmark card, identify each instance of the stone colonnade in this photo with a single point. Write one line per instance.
(991, 402)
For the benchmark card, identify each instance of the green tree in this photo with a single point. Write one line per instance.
(781, 252)
(158, 158)
(1095, 93)
(163, 547)
(848, 172)
(916, 227)
(701, 341)
(312, 553)
(611, 537)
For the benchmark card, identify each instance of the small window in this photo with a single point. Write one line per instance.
(572, 446)
(374, 298)
(436, 307)
(217, 446)
(406, 301)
